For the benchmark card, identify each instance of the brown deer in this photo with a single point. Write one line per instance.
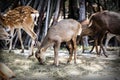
(105, 21)
(20, 18)
(64, 31)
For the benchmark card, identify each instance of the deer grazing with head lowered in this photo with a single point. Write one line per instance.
(22, 17)
(64, 31)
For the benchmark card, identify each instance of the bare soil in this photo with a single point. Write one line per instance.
(88, 67)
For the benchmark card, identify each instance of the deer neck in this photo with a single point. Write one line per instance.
(46, 43)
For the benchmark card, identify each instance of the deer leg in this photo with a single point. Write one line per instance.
(83, 47)
(31, 33)
(31, 49)
(101, 46)
(21, 41)
(56, 47)
(96, 45)
(11, 34)
(70, 49)
(92, 47)
(74, 49)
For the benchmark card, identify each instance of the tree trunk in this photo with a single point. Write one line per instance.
(82, 10)
(36, 3)
(73, 9)
(47, 18)
(41, 8)
(63, 5)
(22, 2)
(57, 10)
(28, 2)
(81, 18)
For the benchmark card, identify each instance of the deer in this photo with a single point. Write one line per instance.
(65, 30)
(22, 17)
(102, 22)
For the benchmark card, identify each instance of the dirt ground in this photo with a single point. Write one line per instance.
(88, 67)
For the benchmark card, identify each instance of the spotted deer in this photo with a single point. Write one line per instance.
(22, 17)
